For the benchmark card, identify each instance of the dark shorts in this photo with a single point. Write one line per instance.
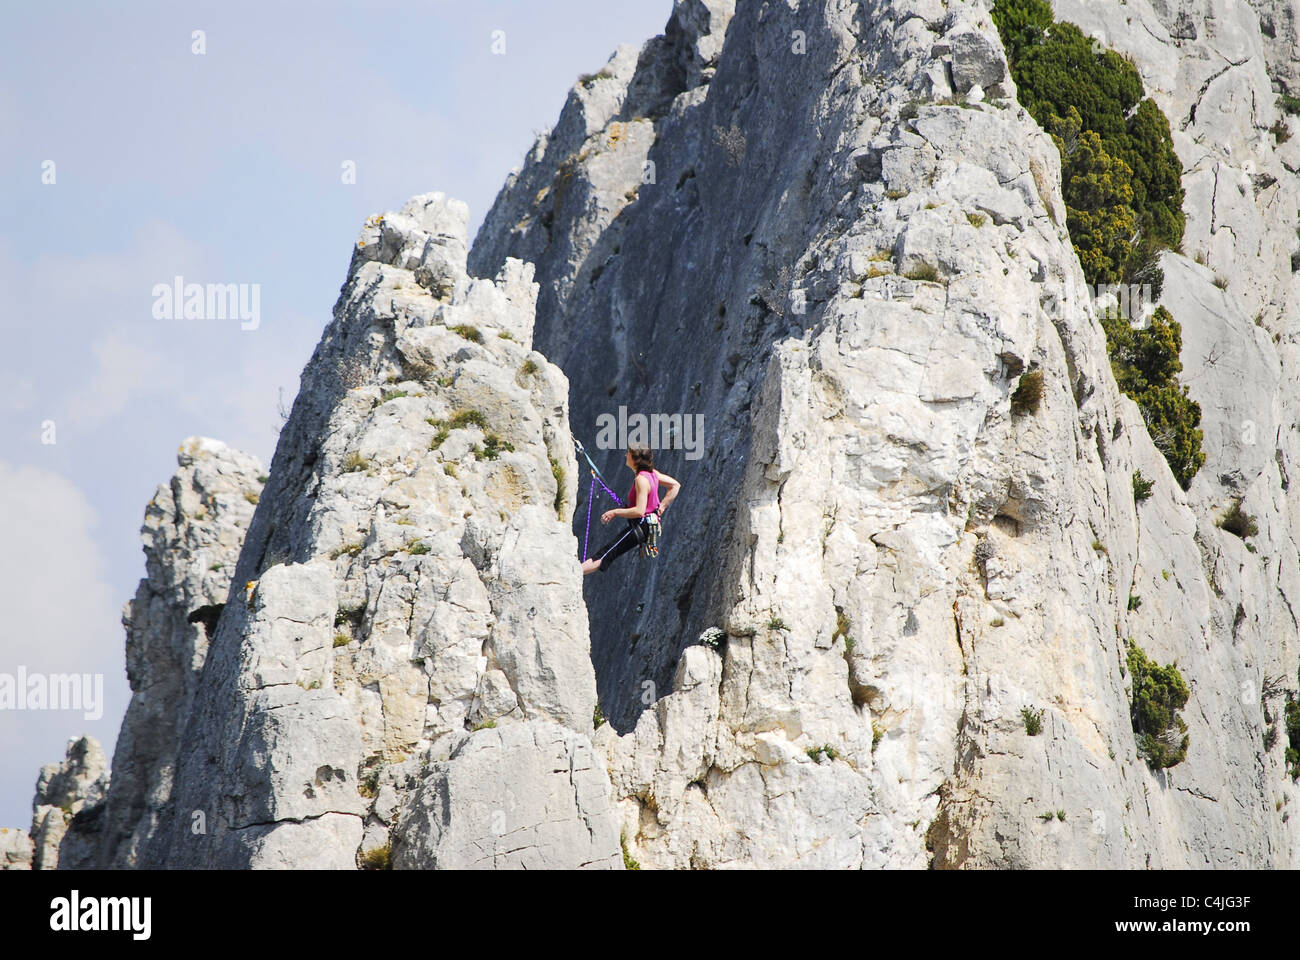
(630, 538)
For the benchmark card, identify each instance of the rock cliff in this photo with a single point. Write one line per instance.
(831, 230)
(853, 246)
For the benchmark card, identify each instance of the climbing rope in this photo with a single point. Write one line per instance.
(591, 494)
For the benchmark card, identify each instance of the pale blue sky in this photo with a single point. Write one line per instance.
(223, 167)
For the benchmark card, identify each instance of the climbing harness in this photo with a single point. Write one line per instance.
(650, 548)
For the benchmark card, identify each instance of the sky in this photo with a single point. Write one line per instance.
(133, 151)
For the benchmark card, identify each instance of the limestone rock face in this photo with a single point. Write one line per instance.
(67, 810)
(405, 625)
(847, 258)
(830, 231)
(542, 784)
(15, 849)
(193, 530)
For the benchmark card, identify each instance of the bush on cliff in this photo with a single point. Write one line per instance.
(1146, 365)
(1159, 693)
(1121, 182)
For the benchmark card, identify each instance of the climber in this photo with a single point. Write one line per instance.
(643, 513)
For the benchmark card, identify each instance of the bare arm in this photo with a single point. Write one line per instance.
(674, 488)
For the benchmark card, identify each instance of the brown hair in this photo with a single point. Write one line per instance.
(643, 457)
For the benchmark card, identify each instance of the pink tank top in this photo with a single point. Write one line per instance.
(652, 501)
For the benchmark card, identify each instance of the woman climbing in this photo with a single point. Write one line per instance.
(643, 513)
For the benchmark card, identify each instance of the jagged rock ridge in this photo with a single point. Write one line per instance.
(851, 247)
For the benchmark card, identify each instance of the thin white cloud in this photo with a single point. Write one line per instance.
(60, 617)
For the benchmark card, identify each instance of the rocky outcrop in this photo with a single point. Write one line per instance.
(67, 812)
(193, 530)
(15, 849)
(853, 248)
(403, 645)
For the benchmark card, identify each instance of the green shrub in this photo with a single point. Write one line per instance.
(976, 220)
(1056, 70)
(776, 623)
(392, 395)
(457, 421)
(1159, 693)
(1023, 26)
(1028, 393)
(557, 471)
(1237, 521)
(1121, 182)
(1033, 720)
(469, 332)
(380, 858)
(419, 548)
(923, 272)
(628, 862)
(1146, 365)
(493, 447)
(1142, 487)
(1134, 602)
(529, 368)
(354, 462)
(341, 639)
(1293, 737)
(1289, 104)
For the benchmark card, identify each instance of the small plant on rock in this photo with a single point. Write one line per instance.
(1142, 487)
(1033, 720)
(628, 862)
(1238, 522)
(378, 858)
(1028, 393)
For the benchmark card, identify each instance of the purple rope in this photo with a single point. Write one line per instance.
(586, 536)
(591, 495)
(612, 495)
